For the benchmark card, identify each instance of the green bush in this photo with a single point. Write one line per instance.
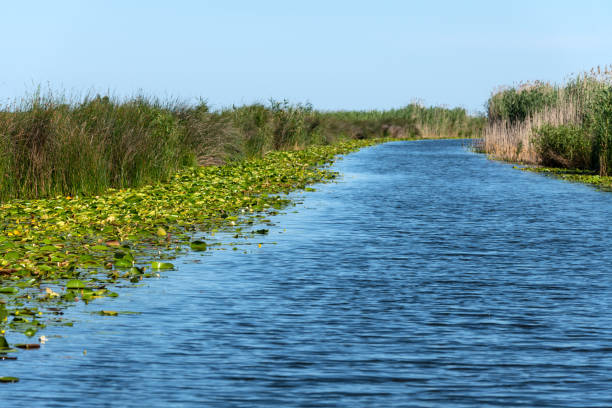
(563, 146)
(515, 105)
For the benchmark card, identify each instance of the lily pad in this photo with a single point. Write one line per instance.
(123, 255)
(109, 313)
(198, 245)
(123, 263)
(26, 284)
(9, 290)
(48, 248)
(31, 331)
(11, 256)
(9, 379)
(75, 284)
(3, 343)
(161, 265)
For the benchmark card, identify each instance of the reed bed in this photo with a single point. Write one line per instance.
(414, 120)
(53, 145)
(515, 141)
(565, 125)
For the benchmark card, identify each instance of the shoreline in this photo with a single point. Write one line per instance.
(57, 251)
(587, 177)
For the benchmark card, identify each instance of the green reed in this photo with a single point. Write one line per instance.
(52, 145)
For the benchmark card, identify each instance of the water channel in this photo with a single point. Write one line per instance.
(427, 276)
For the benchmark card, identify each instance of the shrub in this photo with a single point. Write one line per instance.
(563, 146)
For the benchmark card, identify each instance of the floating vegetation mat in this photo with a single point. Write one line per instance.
(575, 175)
(54, 252)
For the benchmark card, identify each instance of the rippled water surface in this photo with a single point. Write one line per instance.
(427, 277)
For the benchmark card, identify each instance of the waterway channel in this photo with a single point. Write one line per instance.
(427, 276)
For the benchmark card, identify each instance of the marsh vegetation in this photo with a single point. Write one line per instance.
(52, 145)
(100, 191)
(568, 126)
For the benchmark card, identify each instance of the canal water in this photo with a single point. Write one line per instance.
(427, 276)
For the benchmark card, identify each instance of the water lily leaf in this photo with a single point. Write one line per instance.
(123, 263)
(69, 296)
(136, 270)
(9, 379)
(9, 290)
(161, 232)
(261, 231)
(75, 284)
(49, 248)
(161, 265)
(123, 255)
(11, 256)
(3, 343)
(99, 248)
(198, 245)
(108, 313)
(26, 284)
(31, 331)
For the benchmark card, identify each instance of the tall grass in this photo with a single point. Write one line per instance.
(565, 125)
(52, 145)
(49, 146)
(414, 120)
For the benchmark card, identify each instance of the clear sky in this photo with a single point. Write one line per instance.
(335, 54)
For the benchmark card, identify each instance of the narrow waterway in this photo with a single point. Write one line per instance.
(427, 276)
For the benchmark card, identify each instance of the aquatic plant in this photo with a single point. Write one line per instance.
(573, 175)
(564, 146)
(546, 124)
(99, 191)
(59, 250)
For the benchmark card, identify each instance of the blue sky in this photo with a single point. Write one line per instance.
(334, 54)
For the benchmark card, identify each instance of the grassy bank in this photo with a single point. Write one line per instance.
(52, 145)
(568, 126)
